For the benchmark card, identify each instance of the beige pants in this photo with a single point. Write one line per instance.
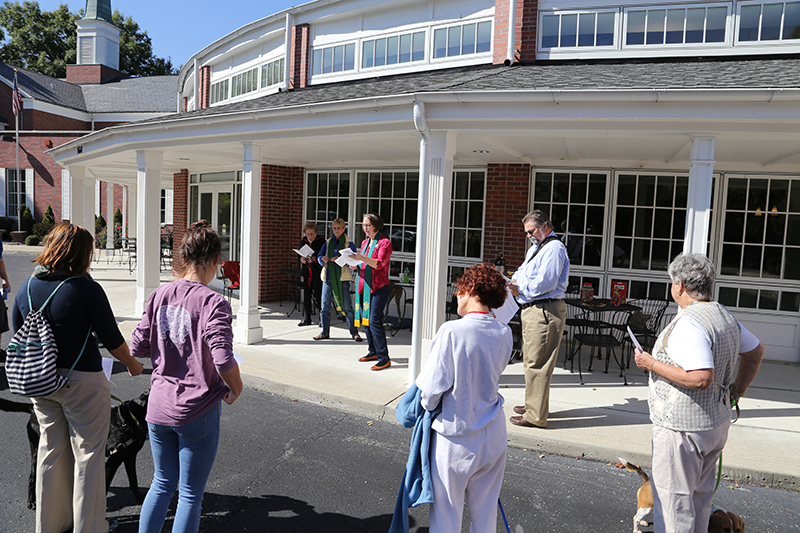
(70, 476)
(542, 327)
(684, 475)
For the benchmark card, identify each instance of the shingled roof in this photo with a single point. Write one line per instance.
(717, 74)
(153, 94)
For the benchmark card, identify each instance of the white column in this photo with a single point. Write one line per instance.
(125, 217)
(88, 214)
(698, 213)
(148, 181)
(109, 217)
(248, 319)
(430, 292)
(72, 194)
(132, 218)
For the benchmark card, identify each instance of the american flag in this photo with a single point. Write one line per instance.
(16, 99)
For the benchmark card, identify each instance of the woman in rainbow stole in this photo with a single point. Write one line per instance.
(372, 289)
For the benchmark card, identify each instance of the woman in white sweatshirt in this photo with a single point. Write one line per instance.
(462, 372)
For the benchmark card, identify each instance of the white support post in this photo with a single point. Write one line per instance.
(248, 319)
(132, 218)
(109, 219)
(125, 218)
(88, 214)
(430, 290)
(698, 213)
(148, 180)
(72, 194)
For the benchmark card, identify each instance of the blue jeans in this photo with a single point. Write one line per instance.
(376, 335)
(185, 455)
(327, 304)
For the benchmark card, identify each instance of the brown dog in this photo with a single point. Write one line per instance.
(721, 521)
(644, 497)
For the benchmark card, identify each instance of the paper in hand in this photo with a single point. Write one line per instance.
(239, 359)
(305, 251)
(633, 338)
(108, 365)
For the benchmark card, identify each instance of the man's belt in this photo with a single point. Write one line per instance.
(540, 301)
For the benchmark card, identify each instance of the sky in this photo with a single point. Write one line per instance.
(181, 28)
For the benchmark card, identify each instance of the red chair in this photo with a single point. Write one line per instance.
(230, 277)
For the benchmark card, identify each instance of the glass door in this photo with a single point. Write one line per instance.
(216, 204)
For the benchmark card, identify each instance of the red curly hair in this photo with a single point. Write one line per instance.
(485, 282)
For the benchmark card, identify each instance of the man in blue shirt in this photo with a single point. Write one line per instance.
(539, 287)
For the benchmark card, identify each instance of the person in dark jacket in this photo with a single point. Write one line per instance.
(310, 279)
(74, 420)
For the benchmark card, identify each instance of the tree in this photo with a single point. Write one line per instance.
(45, 41)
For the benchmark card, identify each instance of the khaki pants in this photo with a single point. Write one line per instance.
(542, 328)
(71, 476)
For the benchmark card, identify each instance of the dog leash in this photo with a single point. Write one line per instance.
(502, 512)
(734, 404)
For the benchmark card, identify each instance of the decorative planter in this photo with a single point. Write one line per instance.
(18, 236)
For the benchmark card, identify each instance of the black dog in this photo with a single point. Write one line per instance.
(126, 437)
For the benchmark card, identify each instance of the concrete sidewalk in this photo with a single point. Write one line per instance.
(601, 420)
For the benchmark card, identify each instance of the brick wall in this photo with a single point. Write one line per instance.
(507, 187)
(525, 36)
(41, 120)
(180, 216)
(300, 56)
(205, 87)
(281, 228)
(47, 173)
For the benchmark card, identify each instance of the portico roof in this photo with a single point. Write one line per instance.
(640, 113)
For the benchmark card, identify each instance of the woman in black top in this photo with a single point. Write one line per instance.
(311, 280)
(74, 420)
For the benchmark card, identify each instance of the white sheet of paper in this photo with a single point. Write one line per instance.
(108, 364)
(305, 251)
(346, 260)
(238, 358)
(633, 338)
(508, 310)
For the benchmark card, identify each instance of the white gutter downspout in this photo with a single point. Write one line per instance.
(414, 362)
(287, 44)
(512, 33)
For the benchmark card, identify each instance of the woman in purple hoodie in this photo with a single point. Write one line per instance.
(186, 331)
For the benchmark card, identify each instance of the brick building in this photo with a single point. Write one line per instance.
(643, 128)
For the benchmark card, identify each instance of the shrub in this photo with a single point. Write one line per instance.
(48, 215)
(99, 224)
(117, 217)
(32, 240)
(40, 229)
(26, 220)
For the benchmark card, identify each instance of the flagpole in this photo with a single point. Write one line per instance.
(19, 182)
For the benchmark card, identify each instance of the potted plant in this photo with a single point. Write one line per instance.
(25, 224)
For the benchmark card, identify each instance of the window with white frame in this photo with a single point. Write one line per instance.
(339, 58)
(462, 39)
(758, 245)
(219, 91)
(571, 30)
(16, 191)
(393, 50)
(576, 204)
(272, 73)
(650, 220)
(676, 26)
(466, 214)
(328, 198)
(773, 21)
(244, 83)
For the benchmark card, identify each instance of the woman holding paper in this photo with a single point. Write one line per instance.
(336, 282)
(372, 289)
(186, 331)
(312, 284)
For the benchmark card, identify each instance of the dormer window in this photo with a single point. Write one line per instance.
(272, 73)
(337, 58)
(660, 26)
(219, 91)
(570, 30)
(403, 48)
(463, 39)
(769, 22)
(244, 83)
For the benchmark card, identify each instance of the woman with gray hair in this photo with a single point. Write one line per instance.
(692, 385)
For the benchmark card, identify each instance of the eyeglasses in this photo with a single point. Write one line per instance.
(531, 232)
